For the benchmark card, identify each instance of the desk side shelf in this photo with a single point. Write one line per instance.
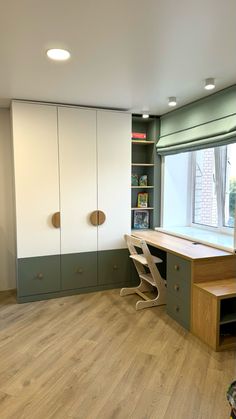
(214, 313)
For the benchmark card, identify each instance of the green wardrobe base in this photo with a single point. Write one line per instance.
(45, 277)
(67, 293)
(38, 275)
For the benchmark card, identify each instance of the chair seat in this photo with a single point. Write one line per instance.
(141, 258)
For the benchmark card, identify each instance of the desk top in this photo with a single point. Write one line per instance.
(179, 246)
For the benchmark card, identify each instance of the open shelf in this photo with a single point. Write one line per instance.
(142, 164)
(142, 187)
(143, 142)
(138, 208)
(228, 318)
(214, 313)
(227, 342)
(144, 169)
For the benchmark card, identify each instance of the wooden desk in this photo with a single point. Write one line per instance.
(188, 264)
(207, 263)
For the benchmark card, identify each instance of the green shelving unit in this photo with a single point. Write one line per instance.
(145, 161)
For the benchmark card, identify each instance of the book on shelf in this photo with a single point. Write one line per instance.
(142, 200)
(139, 135)
(134, 179)
(143, 180)
(141, 219)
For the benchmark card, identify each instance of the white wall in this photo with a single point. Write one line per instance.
(7, 229)
(176, 190)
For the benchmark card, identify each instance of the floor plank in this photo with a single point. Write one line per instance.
(95, 357)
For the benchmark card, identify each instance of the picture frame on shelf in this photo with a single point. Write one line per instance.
(141, 219)
(142, 200)
(143, 180)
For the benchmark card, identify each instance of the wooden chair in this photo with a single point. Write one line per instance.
(149, 275)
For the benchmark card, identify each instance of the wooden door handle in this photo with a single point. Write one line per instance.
(56, 220)
(97, 218)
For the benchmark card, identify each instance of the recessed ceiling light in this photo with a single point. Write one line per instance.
(145, 115)
(210, 84)
(172, 101)
(58, 54)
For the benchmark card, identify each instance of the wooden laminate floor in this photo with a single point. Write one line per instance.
(94, 357)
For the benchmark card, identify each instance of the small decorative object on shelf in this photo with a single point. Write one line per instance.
(139, 135)
(142, 200)
(134, 179)
(141, 219)
(143, 180)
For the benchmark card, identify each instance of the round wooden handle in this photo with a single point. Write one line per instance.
(115, 268)
(97, 218)
(176, 287)
(79, 271)
(176, 267)
(39, 275)
(56, 220)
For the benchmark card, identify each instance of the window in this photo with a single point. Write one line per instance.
(214, 187)
(205, 198)
(230, 188)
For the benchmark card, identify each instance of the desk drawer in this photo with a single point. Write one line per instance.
(179, 309)
(178, 268)
(180, 286)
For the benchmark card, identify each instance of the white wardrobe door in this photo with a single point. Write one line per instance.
(78, 179)
(114, 177)
(36, 178)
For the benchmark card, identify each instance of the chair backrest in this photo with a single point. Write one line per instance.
(132, 243)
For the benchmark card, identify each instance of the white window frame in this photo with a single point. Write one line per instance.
(220, 201)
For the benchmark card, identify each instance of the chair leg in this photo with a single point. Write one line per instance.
(160, 300)
(143, 287)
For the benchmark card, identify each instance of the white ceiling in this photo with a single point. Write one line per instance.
(128, 54)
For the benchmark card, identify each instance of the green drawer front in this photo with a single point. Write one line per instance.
(38, 275)
(114, 266)
(79, 270)
(179, 309)
(180, 286)
(178, 268)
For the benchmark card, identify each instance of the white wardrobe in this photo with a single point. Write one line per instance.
(71, 161)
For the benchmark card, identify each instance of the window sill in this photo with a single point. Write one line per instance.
(210, 238)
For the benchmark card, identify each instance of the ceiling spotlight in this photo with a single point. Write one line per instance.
(172, 101)
(210, 84)
(58, 54)
(145, 115)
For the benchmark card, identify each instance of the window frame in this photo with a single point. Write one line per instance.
(221, 228)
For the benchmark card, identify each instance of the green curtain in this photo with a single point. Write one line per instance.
(211, 134)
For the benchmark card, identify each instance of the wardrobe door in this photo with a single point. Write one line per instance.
(78, 196)
(114, 197)
(37, 193)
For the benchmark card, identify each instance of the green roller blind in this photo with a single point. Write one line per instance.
(211, 134)
(210, 122)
